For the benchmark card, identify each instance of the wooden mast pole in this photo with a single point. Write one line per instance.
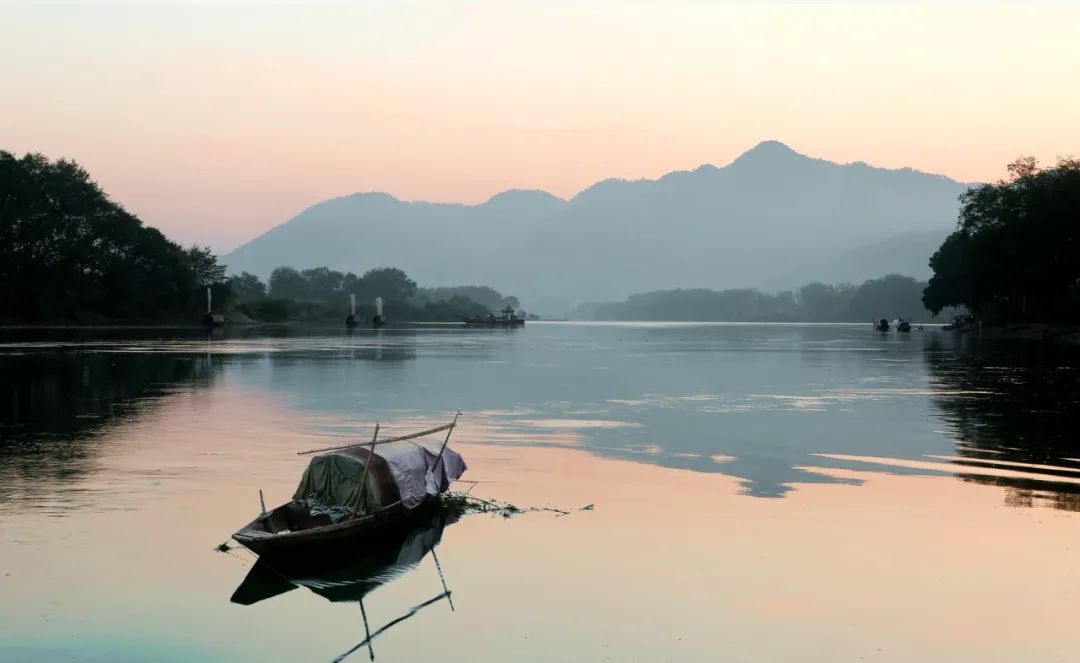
(386, 441)
(445, 440)
(367, 468)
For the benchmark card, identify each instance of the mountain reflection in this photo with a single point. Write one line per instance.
(771, 405)
(351, 573)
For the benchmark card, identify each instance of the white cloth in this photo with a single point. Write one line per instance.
(413, 468)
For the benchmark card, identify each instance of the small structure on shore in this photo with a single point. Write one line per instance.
(378, 321)
(350, 320)
(211, 319)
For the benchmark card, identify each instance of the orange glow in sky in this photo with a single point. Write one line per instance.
(216, 123)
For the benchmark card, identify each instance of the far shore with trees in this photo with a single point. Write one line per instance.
(70, 255)
(323, 294)
(893, 296)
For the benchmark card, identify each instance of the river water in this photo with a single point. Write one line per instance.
(758, 492)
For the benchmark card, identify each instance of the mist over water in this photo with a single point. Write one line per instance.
(710, 452)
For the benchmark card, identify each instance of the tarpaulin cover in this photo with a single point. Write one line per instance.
(400, 470)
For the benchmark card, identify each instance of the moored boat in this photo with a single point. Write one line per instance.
(882, 325)
(361, 491)
(505, 318)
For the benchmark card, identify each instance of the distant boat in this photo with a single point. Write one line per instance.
(903, 326)
(505, 318)
(961, 323)
(882, 325)
(356, 492)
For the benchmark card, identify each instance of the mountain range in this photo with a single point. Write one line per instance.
(771, 219)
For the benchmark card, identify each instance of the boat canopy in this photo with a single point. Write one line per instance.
(402, 471)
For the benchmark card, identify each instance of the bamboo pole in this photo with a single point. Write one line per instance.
(386, 441)
(367, 468)
(443, 448)
(262, 504)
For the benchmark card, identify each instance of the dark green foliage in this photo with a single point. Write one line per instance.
(697, 304)
(68, 253)
(1014, 254)
(321, 293)
(204, 266)
(819, 302)
(892, 296)
(390, 283)
(287, 283)
(247, 287)
(486, 297)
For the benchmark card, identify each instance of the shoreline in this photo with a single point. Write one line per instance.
(1028, 331)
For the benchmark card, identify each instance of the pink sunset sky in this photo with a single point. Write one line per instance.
(215, 123)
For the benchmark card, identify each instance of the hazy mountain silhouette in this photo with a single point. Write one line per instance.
(907, 254)
(753, 223)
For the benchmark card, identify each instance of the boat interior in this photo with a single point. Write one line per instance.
(294, 516)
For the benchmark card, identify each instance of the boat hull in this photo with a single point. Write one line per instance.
(333, 538)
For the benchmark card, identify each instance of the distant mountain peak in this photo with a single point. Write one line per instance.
(768, 151)
(522, 195)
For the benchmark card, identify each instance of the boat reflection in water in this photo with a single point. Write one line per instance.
(347, 574)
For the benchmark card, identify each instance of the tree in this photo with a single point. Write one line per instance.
(204, 266)
(247, 287)
(324, 284)
(390, 283)
(287, 283)
(890, 296)
(825, 303)
(83, 254)
(1013, 254)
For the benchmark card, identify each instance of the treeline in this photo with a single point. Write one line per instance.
(70, 254)
(1015, 254)
(892, 296)
(322, 293)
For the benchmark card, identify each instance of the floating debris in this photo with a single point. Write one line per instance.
(472, 504)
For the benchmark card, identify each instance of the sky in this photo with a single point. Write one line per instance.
(216, 122)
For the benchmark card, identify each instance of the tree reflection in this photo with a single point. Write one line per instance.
(1013, 408)
(53, 405)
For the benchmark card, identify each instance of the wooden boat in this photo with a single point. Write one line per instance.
(882, 325)
(356, 571)
(505, 318)
(356, 492)
(903, 326)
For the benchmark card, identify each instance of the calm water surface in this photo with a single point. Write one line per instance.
(761, 492)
